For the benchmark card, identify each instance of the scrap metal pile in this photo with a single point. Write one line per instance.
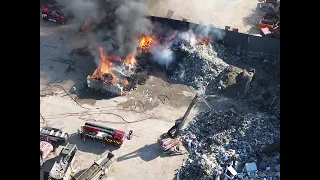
(229, 143)
(227, 140)
(199, 64)
(215, 68)
(220, 143)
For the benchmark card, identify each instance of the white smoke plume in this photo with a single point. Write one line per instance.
(162, 54)
(217, 34)
(189, 37)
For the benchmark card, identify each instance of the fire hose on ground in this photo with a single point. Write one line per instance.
(165, 101)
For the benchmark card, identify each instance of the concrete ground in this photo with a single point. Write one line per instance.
(139, 158)
(242, 14)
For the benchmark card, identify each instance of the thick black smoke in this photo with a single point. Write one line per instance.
(120, 23)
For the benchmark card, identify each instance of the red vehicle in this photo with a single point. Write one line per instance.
(55, 14)
(105, 134)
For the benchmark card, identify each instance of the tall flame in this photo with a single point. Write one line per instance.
(104, 67)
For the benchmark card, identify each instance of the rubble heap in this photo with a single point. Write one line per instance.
(220, 140)
(217, 69)
(206, 66)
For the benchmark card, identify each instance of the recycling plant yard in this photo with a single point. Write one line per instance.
(125, 95)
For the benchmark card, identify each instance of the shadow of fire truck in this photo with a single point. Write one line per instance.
(91, 145)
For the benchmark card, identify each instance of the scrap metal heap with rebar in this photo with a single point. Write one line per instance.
(99, 169)
(63, 166)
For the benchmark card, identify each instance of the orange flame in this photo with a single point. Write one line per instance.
(104, 67)
(146, 42)
(204, 41)
(130, 60)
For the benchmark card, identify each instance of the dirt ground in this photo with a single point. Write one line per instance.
(162, 102)
(242, 14)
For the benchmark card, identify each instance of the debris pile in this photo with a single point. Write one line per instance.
(229, 144)
(199, 64)
(216, 69)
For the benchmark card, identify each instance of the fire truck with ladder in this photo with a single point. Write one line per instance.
(102, 133)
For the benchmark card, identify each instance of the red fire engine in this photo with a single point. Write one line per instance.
(105, 134)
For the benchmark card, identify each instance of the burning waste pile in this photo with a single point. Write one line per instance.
(116, 30)
(231, 145)
(123, 42)
(115, 75)
(109, 77)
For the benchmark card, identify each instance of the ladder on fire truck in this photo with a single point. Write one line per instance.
(53, 135)
(52, 132)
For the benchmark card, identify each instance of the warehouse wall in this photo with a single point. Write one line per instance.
(231, 39)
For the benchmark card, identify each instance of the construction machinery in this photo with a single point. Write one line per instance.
(64, 165)
(45, 149)
(54, 135)
(56, 13)
(169, 141)
(102, 133)
(270, 25)
(99, 169)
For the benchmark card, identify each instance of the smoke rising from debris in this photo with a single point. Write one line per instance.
(123, 23)
(82, 9)
(218, 34)
(162, 54)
